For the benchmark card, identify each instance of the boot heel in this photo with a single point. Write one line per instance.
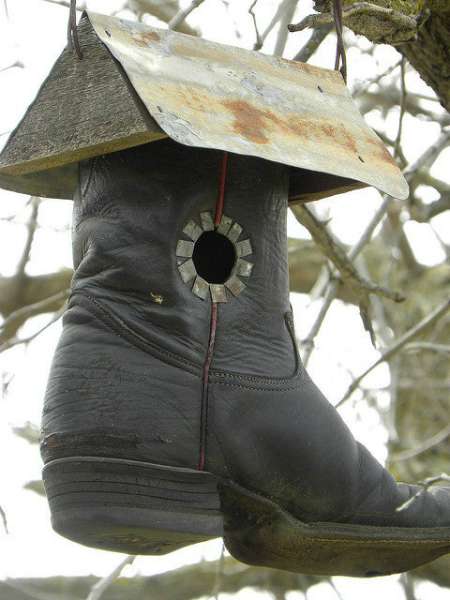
(131, 506)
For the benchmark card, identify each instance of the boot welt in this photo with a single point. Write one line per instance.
(143, 508)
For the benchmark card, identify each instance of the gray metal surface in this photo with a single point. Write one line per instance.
(215, 96)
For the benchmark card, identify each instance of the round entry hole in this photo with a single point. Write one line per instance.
(214, 257)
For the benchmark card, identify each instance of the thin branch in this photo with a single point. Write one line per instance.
(402, 108)
(317, 37)
(18, 64)
(32, 226)
(426, 159)
(335, 589)
(259, 42)
(431, 442)
(408, 586)
(102, 585)
(18, 341)
(288, 8)
(411, 334)
(28, 311)
(422, 213)
(275, 19)
(66, 4)
(333, 250)
(4, 519)
(405, 22)
(365, 85)
(178, 19)
(418, 346)
(333, 287)
(425, 485)
(218, 583)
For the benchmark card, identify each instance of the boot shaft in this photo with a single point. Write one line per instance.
(138, 215)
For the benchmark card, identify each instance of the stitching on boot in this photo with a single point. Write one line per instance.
(121, 329)
(269, 380)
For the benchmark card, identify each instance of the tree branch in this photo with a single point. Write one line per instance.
(187, 583)
(102, 585)
(418, 329)
(18, 341)
(179, 18)
(317, 37)
(333, 250)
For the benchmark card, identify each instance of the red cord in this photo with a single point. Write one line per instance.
(220, 199)
(212, 327)
(206, 366)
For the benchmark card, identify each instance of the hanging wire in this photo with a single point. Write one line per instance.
(72, 33)
(340, 63)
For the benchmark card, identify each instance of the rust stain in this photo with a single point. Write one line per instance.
(142, 39)
(256, 125)
(380, 151)
(249, 122)
(347, 140)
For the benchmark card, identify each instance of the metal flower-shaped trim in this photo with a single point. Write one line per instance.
(241, 268)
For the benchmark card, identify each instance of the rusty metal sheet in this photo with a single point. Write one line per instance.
(215, 96)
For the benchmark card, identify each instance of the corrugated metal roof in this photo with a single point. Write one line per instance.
(210, 95)
(199, 93)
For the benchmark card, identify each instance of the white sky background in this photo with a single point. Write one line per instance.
(35, 35)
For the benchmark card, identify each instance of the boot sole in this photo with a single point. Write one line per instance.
(131, 506)
(143, 508)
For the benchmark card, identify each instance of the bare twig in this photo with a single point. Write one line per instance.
(219, 574)
(364, 85)
(408, 586)
(426, 159)
(32, 226)
(275, 19)
(431, 442)
(18, 341)
(333, 250)
(405, 22)
(178, 19)
(333, 286)
(402, 108)
(4, 519)
(251, 11)
(103, 584)
(32, 309)
(340, 63)
(317, 37)
(418, 346)
(18, 64)
(425, 485)
(288, 10)
(411, 334)
(66, 4)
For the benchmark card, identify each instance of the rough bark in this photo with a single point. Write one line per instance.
(424, 40)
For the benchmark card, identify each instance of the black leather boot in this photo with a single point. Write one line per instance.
(177, 408)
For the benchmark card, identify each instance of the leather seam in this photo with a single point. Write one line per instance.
(270, 380)
(261, 389)
(114, 326)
